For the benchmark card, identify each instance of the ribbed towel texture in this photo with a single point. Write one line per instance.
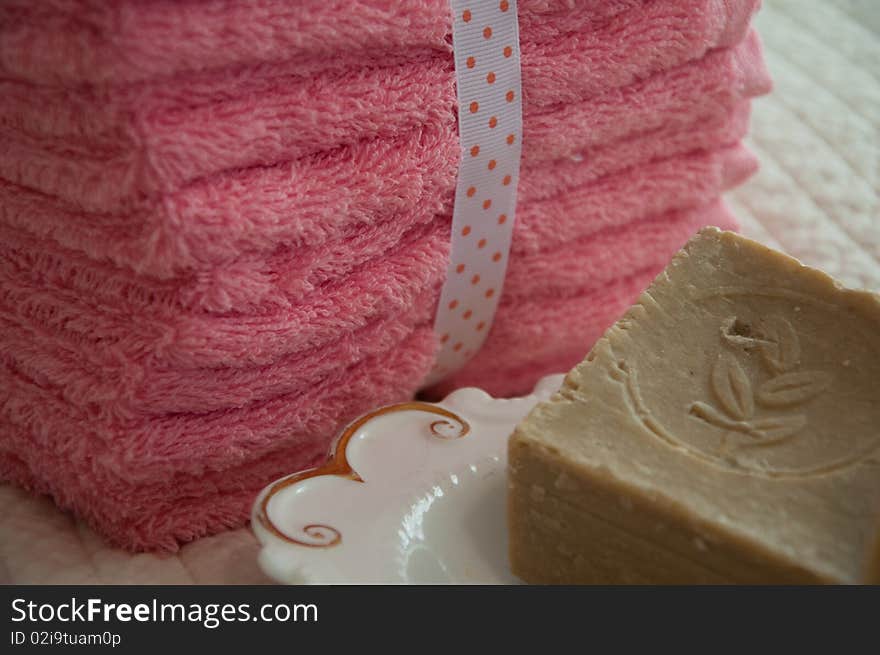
(224, 225)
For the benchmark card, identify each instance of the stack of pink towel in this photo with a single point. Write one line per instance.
(224, 224)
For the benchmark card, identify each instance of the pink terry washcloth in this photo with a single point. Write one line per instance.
(157, 139)
(536, 335)
(611, 252)
(679, 182)
(543, 180)
(658, 36)
(675, 98)
(92, 41)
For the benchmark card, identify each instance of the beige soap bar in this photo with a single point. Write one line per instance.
(725, 430)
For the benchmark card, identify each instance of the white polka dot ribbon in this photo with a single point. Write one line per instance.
(485, 37)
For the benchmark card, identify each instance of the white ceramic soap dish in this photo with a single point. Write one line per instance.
(412, 493)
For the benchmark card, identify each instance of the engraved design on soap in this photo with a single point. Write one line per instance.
(780, 351)
(316, 535)
(765, 404)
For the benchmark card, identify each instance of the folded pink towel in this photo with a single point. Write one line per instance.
(547, 179)
(689, 180)
(156, 138)
(674, 98)
(82, 41)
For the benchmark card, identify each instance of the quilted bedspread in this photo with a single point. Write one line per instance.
(818, 139)
(816, 197)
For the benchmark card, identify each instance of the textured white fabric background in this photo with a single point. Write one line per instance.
(818, 138)
(816, 197)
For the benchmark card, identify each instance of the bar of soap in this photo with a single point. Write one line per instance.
(725, 430)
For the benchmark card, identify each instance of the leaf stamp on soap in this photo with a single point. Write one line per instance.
(779, 427)
(780, 351)
(780, 346)
(793, 388)
(711, 415)
(762, 383)
(732, 387)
